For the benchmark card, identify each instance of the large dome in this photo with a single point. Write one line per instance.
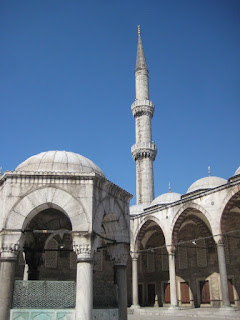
(165, 198)
(59, 161)
(206, 183)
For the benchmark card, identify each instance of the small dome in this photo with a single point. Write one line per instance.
(59, 161)
(165, 198)
(237, 172)
(206, 183)
(137, 208)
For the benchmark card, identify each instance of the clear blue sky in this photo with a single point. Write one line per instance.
(67, 83)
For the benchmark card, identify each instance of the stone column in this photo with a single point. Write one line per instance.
(172, 277)
(84, 285)
(135, 303)
(120, 254)
(223, 275)
(121, 281)
(8, 262)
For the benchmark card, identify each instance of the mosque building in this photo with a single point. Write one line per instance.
(71, 248)
(184, 248)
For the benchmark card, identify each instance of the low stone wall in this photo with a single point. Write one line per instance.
(60, 314)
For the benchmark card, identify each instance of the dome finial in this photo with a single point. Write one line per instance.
(169, 187)
(209, 171)
(139, 31)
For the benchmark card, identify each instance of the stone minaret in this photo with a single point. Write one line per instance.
(144, 150)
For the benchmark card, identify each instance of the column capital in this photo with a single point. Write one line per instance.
(134, 255)
(9, 251)
(119, 253)
(83, 252)
(218, 239)
(171, 249)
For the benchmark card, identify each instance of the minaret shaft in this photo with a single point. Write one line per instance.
(144, 151)
(141, 85)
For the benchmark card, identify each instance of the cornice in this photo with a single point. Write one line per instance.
(36, 177)
(186, 198)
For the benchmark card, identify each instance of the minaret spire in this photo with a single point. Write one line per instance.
(140, 61)
(144, 150)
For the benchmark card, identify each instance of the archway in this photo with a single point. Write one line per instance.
(196, 259)
(152, 265)
(230, 229)
(47, 247)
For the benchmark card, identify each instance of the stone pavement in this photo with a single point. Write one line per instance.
(183, 314)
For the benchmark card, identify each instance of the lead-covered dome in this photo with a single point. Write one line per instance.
(166, 198)
(237, 172)
(59, 161)
(137, 208)
(206, 183)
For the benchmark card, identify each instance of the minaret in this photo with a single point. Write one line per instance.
(144, 150)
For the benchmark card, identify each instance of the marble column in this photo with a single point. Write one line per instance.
(135, 303)
(223, 275)
(121, 281)
(84, 285)
(173, 282)
(8, 262)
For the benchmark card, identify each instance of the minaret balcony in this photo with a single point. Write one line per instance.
(144, 150)
(141, 107)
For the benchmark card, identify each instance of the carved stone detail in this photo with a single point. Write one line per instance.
(82, 249)
(10, 248)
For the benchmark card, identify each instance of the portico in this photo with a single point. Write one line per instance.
(61, 219)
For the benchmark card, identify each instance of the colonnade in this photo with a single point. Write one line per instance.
(172, 276)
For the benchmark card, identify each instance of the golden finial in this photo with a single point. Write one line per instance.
(139, 32)
(209, 171)
(169, 187)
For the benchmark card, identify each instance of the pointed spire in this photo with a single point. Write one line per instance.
(141, 62)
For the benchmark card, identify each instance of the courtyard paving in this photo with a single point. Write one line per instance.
(184, 314)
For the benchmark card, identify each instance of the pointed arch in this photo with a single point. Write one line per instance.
(142, 228)
(228, 202)
(197, 211)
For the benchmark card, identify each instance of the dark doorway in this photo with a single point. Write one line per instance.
(185, 298)
(166, 292)
(204, 292)
(140, 294)
(151, 294)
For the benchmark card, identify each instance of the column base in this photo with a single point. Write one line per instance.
(226, 308)
(135, 306)
(174, 308)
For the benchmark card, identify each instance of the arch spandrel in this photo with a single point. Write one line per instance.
(109, 210)
(36, 201)
(146, 219)
(232, 194)
(198, 211)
